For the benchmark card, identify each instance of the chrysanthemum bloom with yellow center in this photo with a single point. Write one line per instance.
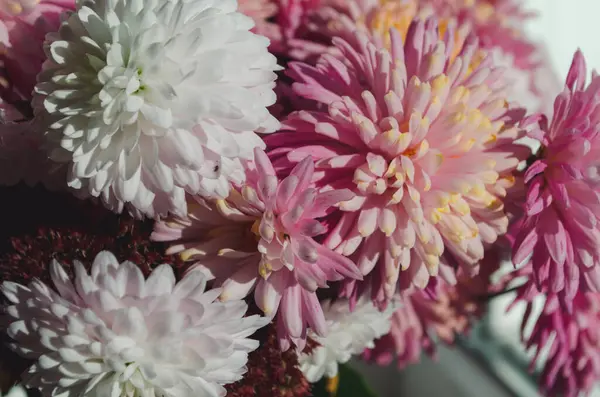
(262, 238)
(424, 139)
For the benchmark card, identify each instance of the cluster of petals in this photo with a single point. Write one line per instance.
(146, 100)
(424, 138)
(439, 312)
(497, 25)
(261, 238)
(350, 332)
(411, 331)
(560, 233)
(23, 27)
(565, 344)
(113, 332)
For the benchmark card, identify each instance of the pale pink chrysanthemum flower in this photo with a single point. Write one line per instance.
(560, 234)
(262, 238)
(565, 344)
(426, 141)
(24, 25)
(113, 332)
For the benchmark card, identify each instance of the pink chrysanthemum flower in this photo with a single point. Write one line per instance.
(566, 345)
(262, 238)
(426, 141)
(24, 25)
(560, 234)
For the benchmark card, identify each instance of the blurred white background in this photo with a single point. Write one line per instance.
(566, 25)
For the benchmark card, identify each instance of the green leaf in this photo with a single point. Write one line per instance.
(351, 384)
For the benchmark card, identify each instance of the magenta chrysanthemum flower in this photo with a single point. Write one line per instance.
(560, 234)
(424, 138)
(24, 25)
(566, 345)
(262, 238)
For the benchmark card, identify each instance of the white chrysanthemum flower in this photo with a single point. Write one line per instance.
(114, 333)
(350, 333)
(16, 391)
(147, 99)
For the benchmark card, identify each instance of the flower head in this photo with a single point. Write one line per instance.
(146, 100)
(565, 344)
(262, 238)
(112, 331)
(559, 233)
(350, 332)
(425, 140)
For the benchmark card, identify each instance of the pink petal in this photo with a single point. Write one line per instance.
(291, 311)
(263, 164)
(268, 292)
(304, 172)
(240, 283)
(314, 313)
(554, 237)
(326, 201)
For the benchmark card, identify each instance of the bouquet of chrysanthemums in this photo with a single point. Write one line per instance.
(205, 198)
